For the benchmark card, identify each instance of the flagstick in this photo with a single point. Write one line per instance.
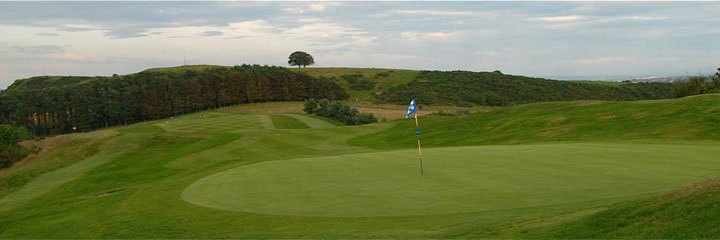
(417, 126)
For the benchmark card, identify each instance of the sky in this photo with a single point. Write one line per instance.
(562, 40)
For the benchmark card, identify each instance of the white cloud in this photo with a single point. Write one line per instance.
(77, 57)
(436, 12)
(571, 21)
(453, 35)
(310, 20)
(601, 60)
(249, 28)
(570, 18)
(322, 31)
(314, 7)
(640, 18)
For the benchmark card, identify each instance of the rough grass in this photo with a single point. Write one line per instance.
(383, 79)
(56, 152)
(690, 212)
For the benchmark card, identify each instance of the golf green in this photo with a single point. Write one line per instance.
(456, 180)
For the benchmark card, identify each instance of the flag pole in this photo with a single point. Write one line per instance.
(417, 133)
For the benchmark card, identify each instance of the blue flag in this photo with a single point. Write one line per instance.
(411, 109)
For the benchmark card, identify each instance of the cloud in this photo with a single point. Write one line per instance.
(78, 57)
(570, 18)
(211, 33)
(314, 7)
(637, 18)
(38, 49)
(48, 34)
(601, 60)
(453, 35)
(252, 28)
(572, 21)
(436, 12)
(323, 31)
(310, 20)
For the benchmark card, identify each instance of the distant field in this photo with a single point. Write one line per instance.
(382, 79)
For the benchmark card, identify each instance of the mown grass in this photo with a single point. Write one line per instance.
(455, 180)
(132, 186)
(287, 122)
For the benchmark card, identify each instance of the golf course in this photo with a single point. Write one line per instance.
(267, 170)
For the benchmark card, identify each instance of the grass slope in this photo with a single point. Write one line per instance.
(618, 150)
(691, 212)
(690, 118)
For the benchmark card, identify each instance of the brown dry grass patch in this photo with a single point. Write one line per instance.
(607, 117)
(557, 121)
(640, 115)
(713, 182)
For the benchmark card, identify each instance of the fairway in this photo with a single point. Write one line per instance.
(457, 180)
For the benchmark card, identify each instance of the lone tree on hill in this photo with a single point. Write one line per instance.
(300, 58)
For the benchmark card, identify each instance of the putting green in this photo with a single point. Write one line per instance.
(458, 179)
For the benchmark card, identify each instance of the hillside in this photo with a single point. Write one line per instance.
(689, 118)
(498, 89)
(542, 170)
(53, 105)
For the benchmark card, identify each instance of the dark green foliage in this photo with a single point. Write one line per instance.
(383, 74)
(300, 58)
(338, 111)
(497, 89)
(697, 85)
(356, 82)
(10, 150)
(54, 105)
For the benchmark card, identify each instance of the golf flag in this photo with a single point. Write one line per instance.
(411, 109)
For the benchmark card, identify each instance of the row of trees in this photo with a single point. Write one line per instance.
(10, 150)
(464, 88)
(338, 111)
(54, 105)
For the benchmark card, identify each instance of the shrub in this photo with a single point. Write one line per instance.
(338, 111)
(10, 150)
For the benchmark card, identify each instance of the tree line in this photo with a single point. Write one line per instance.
(464, 88)
(699, 85)
(338, 111)
(55, 105)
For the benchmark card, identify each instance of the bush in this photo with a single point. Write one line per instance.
(338, 111)
(10, 150)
